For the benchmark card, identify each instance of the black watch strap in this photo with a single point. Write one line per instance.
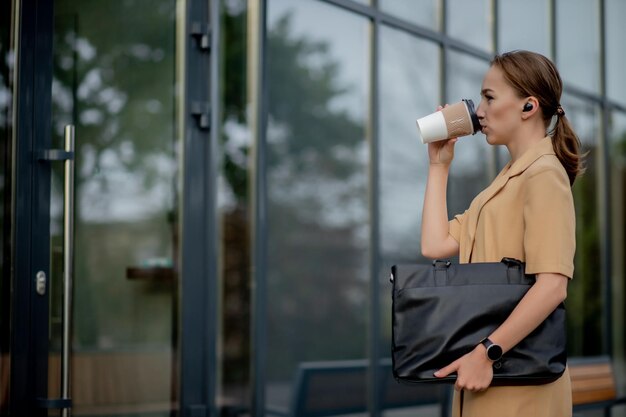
(494, 352)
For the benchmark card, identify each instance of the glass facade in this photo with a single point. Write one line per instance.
(317, 214)
(615, 31)
(330, 184)
(324, 238)
(578, 46)
(513, 33)
(617, 190)
(584, 303)
(471, 22)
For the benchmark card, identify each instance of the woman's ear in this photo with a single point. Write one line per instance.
(530, 107)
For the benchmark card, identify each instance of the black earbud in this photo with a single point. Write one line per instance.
(527, 107)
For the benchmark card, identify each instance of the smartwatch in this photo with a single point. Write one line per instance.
(494, 352)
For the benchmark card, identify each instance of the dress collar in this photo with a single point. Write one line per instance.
(543, 147)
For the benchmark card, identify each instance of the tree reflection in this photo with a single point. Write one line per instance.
(318, 220)
(317, 187)
(114, 78)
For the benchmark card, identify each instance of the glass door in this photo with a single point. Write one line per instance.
(111, 220)
(114, 84)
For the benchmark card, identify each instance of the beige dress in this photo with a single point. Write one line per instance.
(526, 213)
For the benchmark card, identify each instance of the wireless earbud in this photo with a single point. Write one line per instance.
(527, 107)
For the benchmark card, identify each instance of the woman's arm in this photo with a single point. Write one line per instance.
(436, 239)
(542, 298)
(474, 370)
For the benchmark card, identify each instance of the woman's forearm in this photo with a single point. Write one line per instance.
(542, 298)
(436, 240)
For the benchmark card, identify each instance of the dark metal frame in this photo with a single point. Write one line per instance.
(376, 389)
(29, 338)
(199, 254)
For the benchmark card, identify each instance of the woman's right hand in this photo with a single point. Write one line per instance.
(442, 151)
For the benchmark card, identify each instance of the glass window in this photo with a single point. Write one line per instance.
(578, 45)
(6, 61)
(421, 12)
(471, 21)
(584, 301)
(318, 215)
(408, 89)
(513, 26)
(615, 51)
(617, 155)
(234, 211)
(473, 167)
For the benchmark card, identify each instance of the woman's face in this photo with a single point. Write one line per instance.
(500, 108)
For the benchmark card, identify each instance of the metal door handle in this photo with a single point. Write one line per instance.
(68, 265)
(67, 155)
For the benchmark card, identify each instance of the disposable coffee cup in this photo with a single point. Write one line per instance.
(458, 119)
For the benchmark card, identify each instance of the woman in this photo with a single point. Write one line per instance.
(526, 213)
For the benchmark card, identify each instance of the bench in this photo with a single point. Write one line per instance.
(331, 388)
(593, 384)
(341, 387)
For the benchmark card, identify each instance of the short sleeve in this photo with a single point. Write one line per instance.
(455, 226)
(549, 223)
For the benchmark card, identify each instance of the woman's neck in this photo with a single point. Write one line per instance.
(519, 145)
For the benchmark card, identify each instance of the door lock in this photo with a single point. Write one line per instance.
(41, 283)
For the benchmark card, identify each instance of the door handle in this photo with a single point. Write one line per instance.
(68, 265)
(66, 155)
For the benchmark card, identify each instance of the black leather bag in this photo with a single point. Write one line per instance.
(442, 311)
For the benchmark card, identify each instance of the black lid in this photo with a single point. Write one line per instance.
(473, 115)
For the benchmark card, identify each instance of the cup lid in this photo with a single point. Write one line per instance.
(473, 115)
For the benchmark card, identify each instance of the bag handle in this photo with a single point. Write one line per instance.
(515, 271)
(441, 272)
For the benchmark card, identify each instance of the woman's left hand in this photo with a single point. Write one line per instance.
(474, 371)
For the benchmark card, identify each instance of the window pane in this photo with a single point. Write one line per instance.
(473, 166)
(421, 12)
(234, 210)
(470, 21)
(5, 202)
(115, 78)
(409, 88)
(513, 30)
(578, 45)
(584, 301)
(617, 157)
(318, 219)
(615, 51)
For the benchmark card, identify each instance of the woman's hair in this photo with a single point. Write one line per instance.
(532, 74)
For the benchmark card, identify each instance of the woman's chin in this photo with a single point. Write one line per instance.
(491, 140)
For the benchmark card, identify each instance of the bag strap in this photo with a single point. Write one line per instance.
(441, 272)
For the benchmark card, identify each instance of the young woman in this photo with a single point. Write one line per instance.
(526, 213)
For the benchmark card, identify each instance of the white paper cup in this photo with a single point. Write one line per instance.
(458, 119)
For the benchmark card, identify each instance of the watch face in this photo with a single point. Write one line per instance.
(494, 352)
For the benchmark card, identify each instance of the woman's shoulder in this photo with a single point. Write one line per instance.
(546, 167)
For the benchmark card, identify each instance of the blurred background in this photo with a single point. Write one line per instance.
(317, 186)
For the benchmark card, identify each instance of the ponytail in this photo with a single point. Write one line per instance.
(567, 148)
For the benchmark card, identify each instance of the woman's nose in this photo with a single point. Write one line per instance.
(480, 112)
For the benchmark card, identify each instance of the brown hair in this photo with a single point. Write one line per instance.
(532, 74)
